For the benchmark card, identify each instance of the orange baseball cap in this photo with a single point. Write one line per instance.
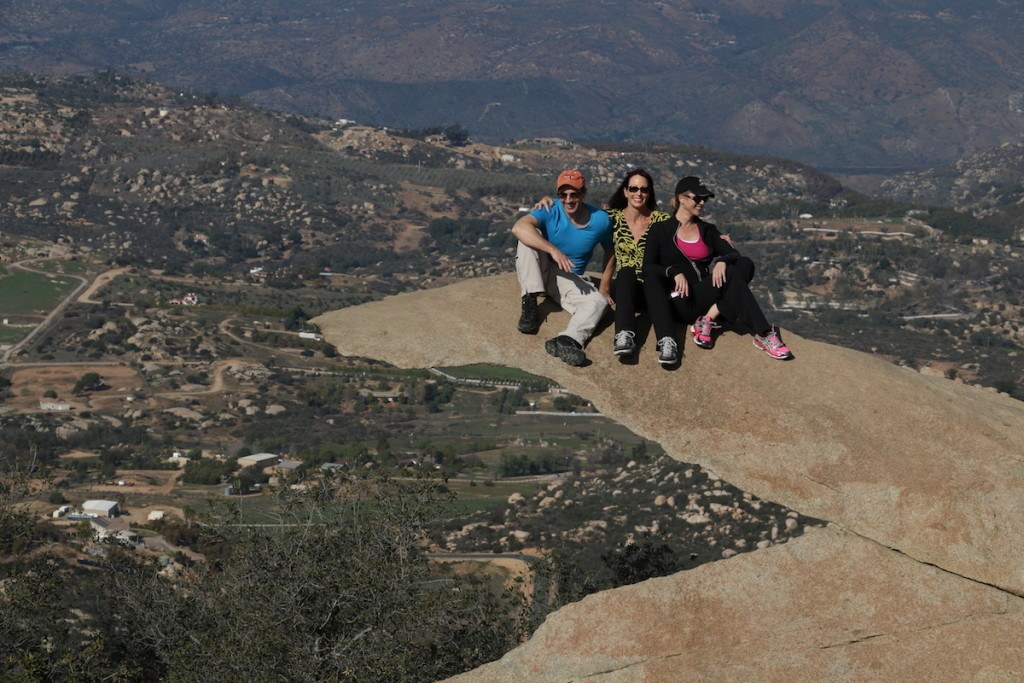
(572, 178)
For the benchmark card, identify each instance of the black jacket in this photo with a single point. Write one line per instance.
(663, 259)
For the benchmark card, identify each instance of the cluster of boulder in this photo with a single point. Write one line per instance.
(680, 504)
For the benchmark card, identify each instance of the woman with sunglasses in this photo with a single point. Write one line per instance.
(632, 208)
(690, 267)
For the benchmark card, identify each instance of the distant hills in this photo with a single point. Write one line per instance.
(839, 85)
(155, 177)
(988, 185)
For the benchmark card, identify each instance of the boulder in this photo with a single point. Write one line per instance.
(919, 475)
(818, 608)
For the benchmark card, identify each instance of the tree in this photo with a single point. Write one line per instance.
(90, 381)
(456, 135)
(206, 472)
(640, 560)
(383, 448)
(639, 451)
(295, 318)
(342, 591)
(561, 403)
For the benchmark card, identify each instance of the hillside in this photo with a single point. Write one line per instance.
(918, 476)
(849, 84)
(214, 191)
(156, 177)
(985, 186)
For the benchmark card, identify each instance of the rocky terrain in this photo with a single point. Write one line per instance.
(159, 178)
(985, 186)
(689, 510)
(918, 477)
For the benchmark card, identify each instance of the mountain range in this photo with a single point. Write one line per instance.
(864, 83)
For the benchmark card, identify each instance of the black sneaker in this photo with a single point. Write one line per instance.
(566, 348)
(624, 343)
(529, 319)
(669, 351)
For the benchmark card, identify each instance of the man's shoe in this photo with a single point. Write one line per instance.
(529, 319)
(669, 351)
(771, 344)
(624, 343)
(702, 332)
(566, 348)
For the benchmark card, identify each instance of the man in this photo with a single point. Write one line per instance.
(555, 246)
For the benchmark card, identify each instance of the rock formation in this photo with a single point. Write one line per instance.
(919, 575)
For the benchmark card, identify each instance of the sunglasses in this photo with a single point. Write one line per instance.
(697, 200)
(639, 188)
(569, 195)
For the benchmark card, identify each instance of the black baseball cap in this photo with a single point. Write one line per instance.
(693, 185)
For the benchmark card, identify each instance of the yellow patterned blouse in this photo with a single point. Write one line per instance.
(629, 252)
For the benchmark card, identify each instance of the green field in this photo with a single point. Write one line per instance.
(10, 335)
(495, 373)
(247, 302)
(25, 293)
(470, 499)
(62, 267)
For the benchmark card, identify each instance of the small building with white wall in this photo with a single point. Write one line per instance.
(259, 460)
(100, 508)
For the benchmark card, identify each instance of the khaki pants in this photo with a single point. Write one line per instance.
(537, 273)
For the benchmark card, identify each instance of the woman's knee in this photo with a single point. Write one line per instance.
(744, 268)
(625, 283)
(656, 286)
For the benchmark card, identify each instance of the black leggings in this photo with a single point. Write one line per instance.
(735, 301)
(628, 293)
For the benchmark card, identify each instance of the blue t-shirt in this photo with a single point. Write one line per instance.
(575, 242)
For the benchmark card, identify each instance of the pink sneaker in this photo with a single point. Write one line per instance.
(702, 332)
(772, 344)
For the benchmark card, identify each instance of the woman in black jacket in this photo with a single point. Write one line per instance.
(688, 267)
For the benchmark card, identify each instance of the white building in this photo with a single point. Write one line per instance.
(101, 528)
(100, 508)
(260, 460)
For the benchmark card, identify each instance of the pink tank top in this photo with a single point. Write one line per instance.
(695, 251)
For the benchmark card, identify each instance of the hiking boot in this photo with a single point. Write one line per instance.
(529, 319)
(669, 351)
(702, 332)
(771, 344)
(566, 348)
(624, 343)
